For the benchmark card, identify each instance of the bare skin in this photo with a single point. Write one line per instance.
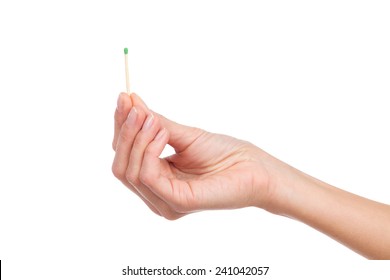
(213, 171)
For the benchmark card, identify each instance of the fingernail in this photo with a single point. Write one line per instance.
(119, 104)
(160, 134)
(132, 117)
(149, 121)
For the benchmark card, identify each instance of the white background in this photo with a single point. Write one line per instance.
(306, 81)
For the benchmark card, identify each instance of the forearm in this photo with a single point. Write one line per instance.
(359, 223)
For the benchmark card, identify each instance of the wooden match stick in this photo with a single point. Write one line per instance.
(127, 72)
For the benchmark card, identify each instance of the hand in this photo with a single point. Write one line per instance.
(211, 171)
(207, 171)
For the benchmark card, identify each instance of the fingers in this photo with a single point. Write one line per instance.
(180, 136)
(124, 105)
(138, 129)
(137, 101)
(179, 195)
(149, 131)
(150, 169)
(150, 173)
(125, 139)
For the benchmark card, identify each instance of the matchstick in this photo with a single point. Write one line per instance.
(127, 72)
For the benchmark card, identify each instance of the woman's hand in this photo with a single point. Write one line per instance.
(211, 171)
(207, 171)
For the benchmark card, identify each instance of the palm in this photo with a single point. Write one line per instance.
(214, 170)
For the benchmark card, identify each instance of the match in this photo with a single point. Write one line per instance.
(127, 72)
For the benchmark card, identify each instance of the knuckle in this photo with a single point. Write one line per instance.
(149, 149)
(117, 120)
(139, 141)
(157, 121)
(171, 216)
(114, 144)
(117, 170)
(124, 134)
(131, 177)
(144, 178)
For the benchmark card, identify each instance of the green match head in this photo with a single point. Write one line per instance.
(126, 50)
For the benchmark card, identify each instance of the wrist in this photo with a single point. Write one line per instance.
(293, 193)
(283, 186)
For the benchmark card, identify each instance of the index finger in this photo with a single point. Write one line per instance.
(124, 104)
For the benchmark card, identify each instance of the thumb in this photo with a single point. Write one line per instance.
(180, 136)
(137, 101)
